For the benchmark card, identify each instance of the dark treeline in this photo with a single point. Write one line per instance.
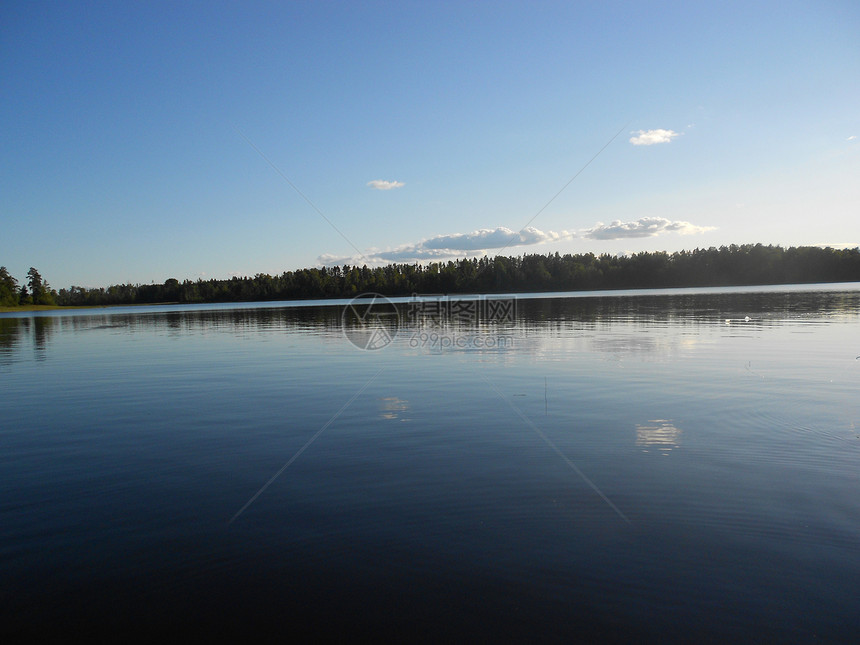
(725, 266)
(12, 294)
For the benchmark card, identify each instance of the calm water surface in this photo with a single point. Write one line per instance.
(648, 466)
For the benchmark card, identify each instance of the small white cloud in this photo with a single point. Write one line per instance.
(650, 137)
(381, 184)
(851, 138)
(643, 227)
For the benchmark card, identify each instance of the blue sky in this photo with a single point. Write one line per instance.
(142, 141)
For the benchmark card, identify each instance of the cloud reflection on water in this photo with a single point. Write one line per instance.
(661, 435)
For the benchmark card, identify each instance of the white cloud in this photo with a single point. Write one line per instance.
(851, 138)
(381, 184)
(487, 238)
(454, 245)
(643, 227)
(479, 242)
(650, 137)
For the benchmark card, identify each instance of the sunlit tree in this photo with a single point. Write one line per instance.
(40, 291)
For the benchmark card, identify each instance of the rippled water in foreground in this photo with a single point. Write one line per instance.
(654, 467)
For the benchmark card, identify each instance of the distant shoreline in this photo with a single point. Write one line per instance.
(23, 308)
(734, 265)
(399, 298)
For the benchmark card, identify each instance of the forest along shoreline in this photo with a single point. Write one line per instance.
(726, 266)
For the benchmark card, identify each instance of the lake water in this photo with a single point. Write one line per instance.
(651, 466)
